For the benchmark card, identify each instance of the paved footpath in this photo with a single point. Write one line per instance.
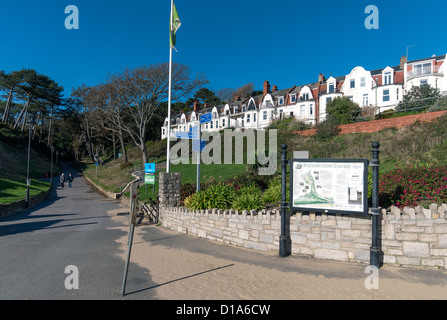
(80, 227)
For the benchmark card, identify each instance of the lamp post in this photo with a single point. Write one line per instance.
(28, 164)
(51, 168)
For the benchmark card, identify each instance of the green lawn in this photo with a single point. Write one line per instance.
(12, 191)
(111, 176)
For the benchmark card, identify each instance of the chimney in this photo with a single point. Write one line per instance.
(321, 78)
(266, 88)
(274, 88)
(196, 106)
(403, 60)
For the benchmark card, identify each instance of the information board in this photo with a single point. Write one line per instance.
(329, 186)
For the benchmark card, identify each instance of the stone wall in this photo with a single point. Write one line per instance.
(409, 237)
(169, 188)
(378, 125)
(11, 208)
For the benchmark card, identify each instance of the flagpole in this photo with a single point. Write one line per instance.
(168, 158)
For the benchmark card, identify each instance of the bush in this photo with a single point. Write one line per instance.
(186, 190)
(248, 201)
(327, 130)
(125, 165)
(217, 196)
(412, 186)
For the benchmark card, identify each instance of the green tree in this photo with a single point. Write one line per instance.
(342, 110)
(419, 98)
(204, 95)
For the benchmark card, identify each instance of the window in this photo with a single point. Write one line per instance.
(193, 118)
(387, 79)
(227, 112)
(328, 100)
(254, 117)
(223, 123)
(248, 118)
(302, 109)
(264, 115)
(305, 97)
(214, 115)
(281, 114)
(352, 84)
(163, 131)
(423, 68)
(281, 101)
(293, 98)
(363, 82)
(386, 95)
(365, 100)
(331, 88)
(351, 98)
(424, 82)
(397, 94)
(311, 111)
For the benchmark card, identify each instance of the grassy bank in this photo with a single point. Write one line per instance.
(12, 191)
(13, 166)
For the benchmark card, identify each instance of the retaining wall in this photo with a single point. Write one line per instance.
(8, 209)
(378, 125)
(409, 237)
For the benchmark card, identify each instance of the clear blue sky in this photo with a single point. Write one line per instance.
(233, 42)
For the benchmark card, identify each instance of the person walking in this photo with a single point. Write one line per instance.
(70, 180)
(62, 180)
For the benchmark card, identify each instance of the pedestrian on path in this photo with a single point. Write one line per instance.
(62, 180)
(70, 180)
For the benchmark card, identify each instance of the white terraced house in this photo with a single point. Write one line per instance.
(382, 89)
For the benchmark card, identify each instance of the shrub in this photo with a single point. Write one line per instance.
(412, 186)
(217, 196)
(125, 165)
(248, 201)
(327, 130)
(186, 190)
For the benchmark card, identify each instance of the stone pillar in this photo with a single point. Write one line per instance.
(169, 188)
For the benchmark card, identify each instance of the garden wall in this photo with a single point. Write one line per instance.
(409, 237)
(378, 125)
(8, 209)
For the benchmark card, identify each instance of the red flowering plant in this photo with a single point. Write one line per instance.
(411, 186)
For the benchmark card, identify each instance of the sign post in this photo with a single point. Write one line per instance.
(375, 247)
(133, 218)
(285, 242)
(205, 118)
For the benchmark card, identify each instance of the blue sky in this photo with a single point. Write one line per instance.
(233, 42)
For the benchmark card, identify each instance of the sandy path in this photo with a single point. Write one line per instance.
(241, 274)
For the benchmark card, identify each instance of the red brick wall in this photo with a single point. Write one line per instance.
(377, 125)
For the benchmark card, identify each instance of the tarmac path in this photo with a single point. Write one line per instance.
(79, 227)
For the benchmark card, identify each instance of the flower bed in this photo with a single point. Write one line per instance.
(412, 186)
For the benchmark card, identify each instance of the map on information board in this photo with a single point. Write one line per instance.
(329, 185)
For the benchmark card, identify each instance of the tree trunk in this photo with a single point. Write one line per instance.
(114, 146)
(144, 152)
(8, 107)
(120, 135)
(21, 114)
(49, 127)
(123, 146)
(25, 118)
